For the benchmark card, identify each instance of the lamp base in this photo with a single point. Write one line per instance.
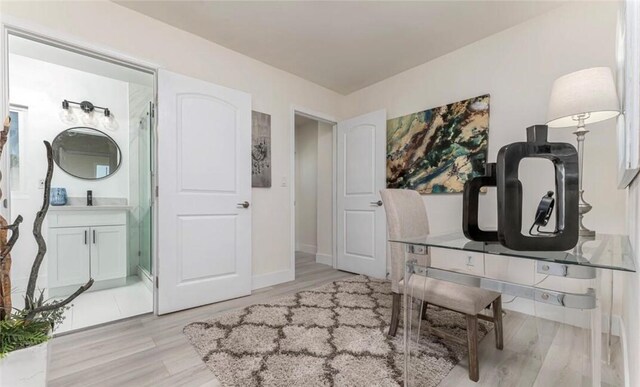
(586, 233)
(583, 208)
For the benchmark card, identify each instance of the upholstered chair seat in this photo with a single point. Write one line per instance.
(449, 295)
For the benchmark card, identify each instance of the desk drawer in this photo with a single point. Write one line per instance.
(457, 260)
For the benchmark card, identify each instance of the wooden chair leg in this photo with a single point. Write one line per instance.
(472, 339)
(497, 321)
(395, 314)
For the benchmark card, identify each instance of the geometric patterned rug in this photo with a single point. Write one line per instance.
(335, 335)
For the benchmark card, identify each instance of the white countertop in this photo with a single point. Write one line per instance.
(90, 208)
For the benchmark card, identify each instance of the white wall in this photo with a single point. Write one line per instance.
(517, 67)
(110, 27)
(41, 87)
(306, 186)
(325, 194)
(314, 189)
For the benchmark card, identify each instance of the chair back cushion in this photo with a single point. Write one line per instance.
(406, 218)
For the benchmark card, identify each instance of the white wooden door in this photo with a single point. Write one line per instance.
(361, 226)
(68, 256)
(108, 252)
(204, 177)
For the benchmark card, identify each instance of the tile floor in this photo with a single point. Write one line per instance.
(101, 306)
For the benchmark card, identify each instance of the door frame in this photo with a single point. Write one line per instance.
(18, 27)
(329, 119)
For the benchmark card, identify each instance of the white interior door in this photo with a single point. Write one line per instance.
(361, 167)
(204, 177)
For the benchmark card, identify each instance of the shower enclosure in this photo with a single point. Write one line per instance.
(145, 192)
(140, 225)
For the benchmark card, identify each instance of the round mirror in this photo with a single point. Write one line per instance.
(86, 153)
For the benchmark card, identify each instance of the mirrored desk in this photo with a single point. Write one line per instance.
(570, 287)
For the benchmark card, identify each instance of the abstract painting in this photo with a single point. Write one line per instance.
(260, 150)
(438, 150)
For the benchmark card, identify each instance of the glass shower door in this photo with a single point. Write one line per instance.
(145, 222)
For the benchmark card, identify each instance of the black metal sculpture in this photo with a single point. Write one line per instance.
(505, 177)
(471, 196)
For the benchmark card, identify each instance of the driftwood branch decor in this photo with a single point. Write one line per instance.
(34, 306)
(5, 256)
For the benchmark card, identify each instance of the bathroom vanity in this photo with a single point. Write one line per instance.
(87, 242)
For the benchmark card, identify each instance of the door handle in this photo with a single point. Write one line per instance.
(94, 236)
(378, 203)
(244, 204)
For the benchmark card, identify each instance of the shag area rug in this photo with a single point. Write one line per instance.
(335, 335)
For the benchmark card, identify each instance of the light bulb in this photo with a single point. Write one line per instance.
(89, 119)
(109, 121)
(67, 117)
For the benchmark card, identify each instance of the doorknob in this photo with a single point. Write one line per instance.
(244, 204)
(378, 203)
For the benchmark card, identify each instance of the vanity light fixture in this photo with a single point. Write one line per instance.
(88, 117)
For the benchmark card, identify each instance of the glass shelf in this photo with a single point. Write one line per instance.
(605, 251)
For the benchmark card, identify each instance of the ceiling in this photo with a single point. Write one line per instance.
(343, 46)
(61, 57)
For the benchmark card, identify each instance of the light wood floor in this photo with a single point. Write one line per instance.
(152, 351)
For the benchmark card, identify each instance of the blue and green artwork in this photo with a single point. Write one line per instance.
(438, 150)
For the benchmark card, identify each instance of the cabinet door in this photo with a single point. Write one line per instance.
(68, 256)
(108, 252)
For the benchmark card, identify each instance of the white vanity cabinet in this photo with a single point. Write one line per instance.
(68, 254)
(85, 243)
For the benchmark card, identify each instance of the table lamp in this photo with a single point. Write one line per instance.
(577, 99)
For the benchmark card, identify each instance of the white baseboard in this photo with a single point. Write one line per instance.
(324, 259)
(309, 249)
(270, 279)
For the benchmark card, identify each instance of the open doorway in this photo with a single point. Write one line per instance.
(98, 116)
(313, 192)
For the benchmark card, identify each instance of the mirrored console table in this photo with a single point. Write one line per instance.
(564, 291)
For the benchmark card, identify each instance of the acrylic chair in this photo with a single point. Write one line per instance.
(407, 218)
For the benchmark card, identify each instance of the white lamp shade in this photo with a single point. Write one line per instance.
(591, 92)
